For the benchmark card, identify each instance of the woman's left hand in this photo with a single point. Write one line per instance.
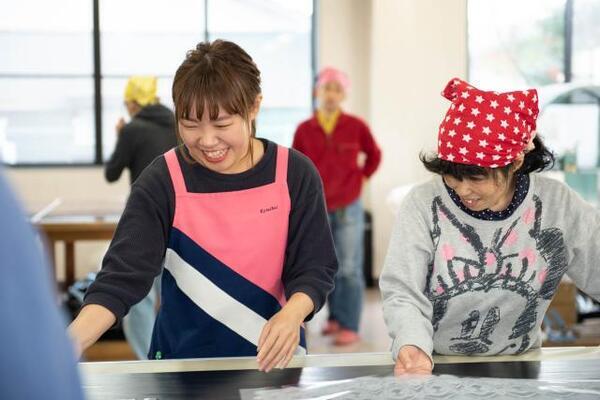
(280, 336)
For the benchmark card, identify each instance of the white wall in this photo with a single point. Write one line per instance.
(413, 48)
(398, 54)
(344, 32)
(81, 187)
(417, 46)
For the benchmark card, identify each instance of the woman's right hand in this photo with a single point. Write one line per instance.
(119, 125)
(412, 360)
(91, 323)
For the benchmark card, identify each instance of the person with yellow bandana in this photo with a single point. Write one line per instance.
(149, 134)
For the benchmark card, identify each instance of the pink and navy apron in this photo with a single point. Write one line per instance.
(222, 269)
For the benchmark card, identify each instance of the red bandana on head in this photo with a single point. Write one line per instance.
(488, 129)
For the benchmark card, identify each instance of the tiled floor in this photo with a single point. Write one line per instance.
(372, 330)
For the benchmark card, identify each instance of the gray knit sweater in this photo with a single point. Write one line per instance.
(453, 284)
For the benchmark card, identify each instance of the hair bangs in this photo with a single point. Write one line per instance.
(458, 171)
(210, 91)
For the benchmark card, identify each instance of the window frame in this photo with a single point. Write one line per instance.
(97, 84)
(568, 14)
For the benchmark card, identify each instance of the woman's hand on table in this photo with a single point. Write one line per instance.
(280, 336)
(412, 360)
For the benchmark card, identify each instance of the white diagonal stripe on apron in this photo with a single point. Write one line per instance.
(215, 301)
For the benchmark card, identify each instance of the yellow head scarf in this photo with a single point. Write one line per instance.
(141, 89)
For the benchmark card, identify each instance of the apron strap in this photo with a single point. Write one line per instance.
(175, 172)
(282, 164)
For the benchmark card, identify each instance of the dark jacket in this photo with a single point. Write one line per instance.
(150, 133)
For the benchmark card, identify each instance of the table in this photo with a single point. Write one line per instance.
(223, 378)
(70, 227)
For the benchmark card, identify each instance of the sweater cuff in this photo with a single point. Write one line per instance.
(113, 304)
(314, 296)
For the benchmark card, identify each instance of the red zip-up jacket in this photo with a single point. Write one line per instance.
(336, 156)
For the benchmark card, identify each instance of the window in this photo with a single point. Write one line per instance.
(142, 37)
(277, 34)
(586, 41)
(46, 82)
(48, 113)
(516, 43)
(553, 45)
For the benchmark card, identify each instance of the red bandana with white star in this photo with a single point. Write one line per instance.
(487, 129)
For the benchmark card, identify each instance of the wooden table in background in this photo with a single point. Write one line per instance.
(72, 228)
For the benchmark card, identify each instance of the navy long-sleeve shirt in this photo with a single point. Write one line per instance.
(137, 250)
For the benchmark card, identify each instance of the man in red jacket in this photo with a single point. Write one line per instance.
(345, 153)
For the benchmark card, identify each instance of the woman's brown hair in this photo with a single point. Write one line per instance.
(218, 74)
